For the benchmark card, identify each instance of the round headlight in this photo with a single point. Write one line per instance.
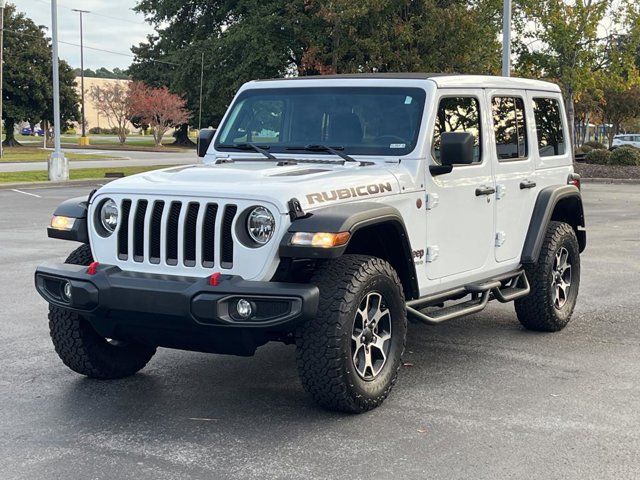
(260, 225)
(109, 215)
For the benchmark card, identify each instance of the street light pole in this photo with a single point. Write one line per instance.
(506, 39)
(1, 72)
(83, 139)
(58, 164)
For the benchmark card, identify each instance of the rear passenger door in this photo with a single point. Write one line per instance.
(514, 168)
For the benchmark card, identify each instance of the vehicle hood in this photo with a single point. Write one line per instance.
(315, 185)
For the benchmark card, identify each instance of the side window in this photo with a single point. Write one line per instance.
(509, 127)
(549, 127)
(457, 114)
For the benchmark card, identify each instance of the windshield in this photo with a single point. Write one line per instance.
(359, 120)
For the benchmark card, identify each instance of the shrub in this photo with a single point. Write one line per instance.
(95, 131)
(625, 156)
(70, 131)
(598, 157)
(595, 145)
(584, 149)
(114, 131)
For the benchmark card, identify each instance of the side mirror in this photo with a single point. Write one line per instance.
(204, 140)
(456, 148)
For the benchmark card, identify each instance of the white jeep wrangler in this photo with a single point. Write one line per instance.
(326, 212)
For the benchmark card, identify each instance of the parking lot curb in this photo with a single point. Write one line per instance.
(611, 180)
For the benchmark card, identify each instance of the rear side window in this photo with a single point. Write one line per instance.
(509, 127)
(457, 114)
(551, 139)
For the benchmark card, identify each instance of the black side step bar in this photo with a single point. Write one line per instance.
(504, 288)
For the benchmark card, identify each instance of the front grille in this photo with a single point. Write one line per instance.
(176, 233)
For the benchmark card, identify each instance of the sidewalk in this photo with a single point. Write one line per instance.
(132, 159)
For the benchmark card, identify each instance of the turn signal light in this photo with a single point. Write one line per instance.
(320, 239)
(59, 222)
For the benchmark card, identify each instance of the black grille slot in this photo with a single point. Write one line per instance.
(154, 232)
(209, 235)
(226, 249)
(123, 233)
(172, 233)
(138, 231)
(191, 219)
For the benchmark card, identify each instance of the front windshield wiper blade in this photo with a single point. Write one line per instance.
(250, 146)
(325, 148)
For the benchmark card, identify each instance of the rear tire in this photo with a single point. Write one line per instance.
(349, 355)
(83, 350)
(554, 279)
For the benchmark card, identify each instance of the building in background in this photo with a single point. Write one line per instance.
(92, 117)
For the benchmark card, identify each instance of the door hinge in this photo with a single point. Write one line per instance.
(501, 191)
(500, 238)
(432, 253)
(432, 200)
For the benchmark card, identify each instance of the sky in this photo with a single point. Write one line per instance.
(111, 25)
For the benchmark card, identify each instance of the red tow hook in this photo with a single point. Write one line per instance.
(214, 279)
(93, 267)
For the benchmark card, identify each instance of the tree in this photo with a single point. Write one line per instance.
(27, 92)
(157, 107)
(564, 41)
(248, 39)
(113, 102)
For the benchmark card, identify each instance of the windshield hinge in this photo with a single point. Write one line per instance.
(295, 209)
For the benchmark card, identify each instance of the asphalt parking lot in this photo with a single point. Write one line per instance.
(479, 397)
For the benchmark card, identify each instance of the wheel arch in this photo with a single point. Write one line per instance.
(376, 229)
(561, 203)
(75, 208)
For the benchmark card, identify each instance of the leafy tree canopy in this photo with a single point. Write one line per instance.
(27, 87)
(248, 39)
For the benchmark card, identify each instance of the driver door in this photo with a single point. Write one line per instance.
(460, 204)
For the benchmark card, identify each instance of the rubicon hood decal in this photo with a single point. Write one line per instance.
(351, 192)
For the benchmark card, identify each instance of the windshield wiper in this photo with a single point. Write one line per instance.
(250, 146)
(325, 148)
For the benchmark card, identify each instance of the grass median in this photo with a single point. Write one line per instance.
(76, 174)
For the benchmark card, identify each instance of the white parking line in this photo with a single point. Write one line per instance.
(26, 193)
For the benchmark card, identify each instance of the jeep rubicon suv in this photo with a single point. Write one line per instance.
(326, 212)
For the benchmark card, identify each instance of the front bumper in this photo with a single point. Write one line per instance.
(175, 311)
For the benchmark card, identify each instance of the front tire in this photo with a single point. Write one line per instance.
(84, 351)
(348, 356)
(554, 279)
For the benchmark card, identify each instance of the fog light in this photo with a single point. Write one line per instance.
(66, 291)
(243, 307)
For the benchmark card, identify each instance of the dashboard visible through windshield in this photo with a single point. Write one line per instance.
(356, 120)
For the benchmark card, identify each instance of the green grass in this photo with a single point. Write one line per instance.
(33, 154)
(79, 174)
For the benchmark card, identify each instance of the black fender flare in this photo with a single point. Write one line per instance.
(548, 199)
(349, 218)
(73, 208)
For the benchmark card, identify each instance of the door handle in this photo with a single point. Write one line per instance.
(484, 190)
(527, 184)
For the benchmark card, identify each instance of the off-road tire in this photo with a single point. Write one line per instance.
(84, 351)
(537, 311)
(324, 344)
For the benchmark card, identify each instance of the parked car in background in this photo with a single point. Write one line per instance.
(627, 139)
(28, 131)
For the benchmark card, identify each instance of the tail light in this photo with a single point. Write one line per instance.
(574, 179)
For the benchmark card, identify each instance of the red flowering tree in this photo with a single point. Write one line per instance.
(158, 108)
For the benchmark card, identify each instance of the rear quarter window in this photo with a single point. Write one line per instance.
(549, 127)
